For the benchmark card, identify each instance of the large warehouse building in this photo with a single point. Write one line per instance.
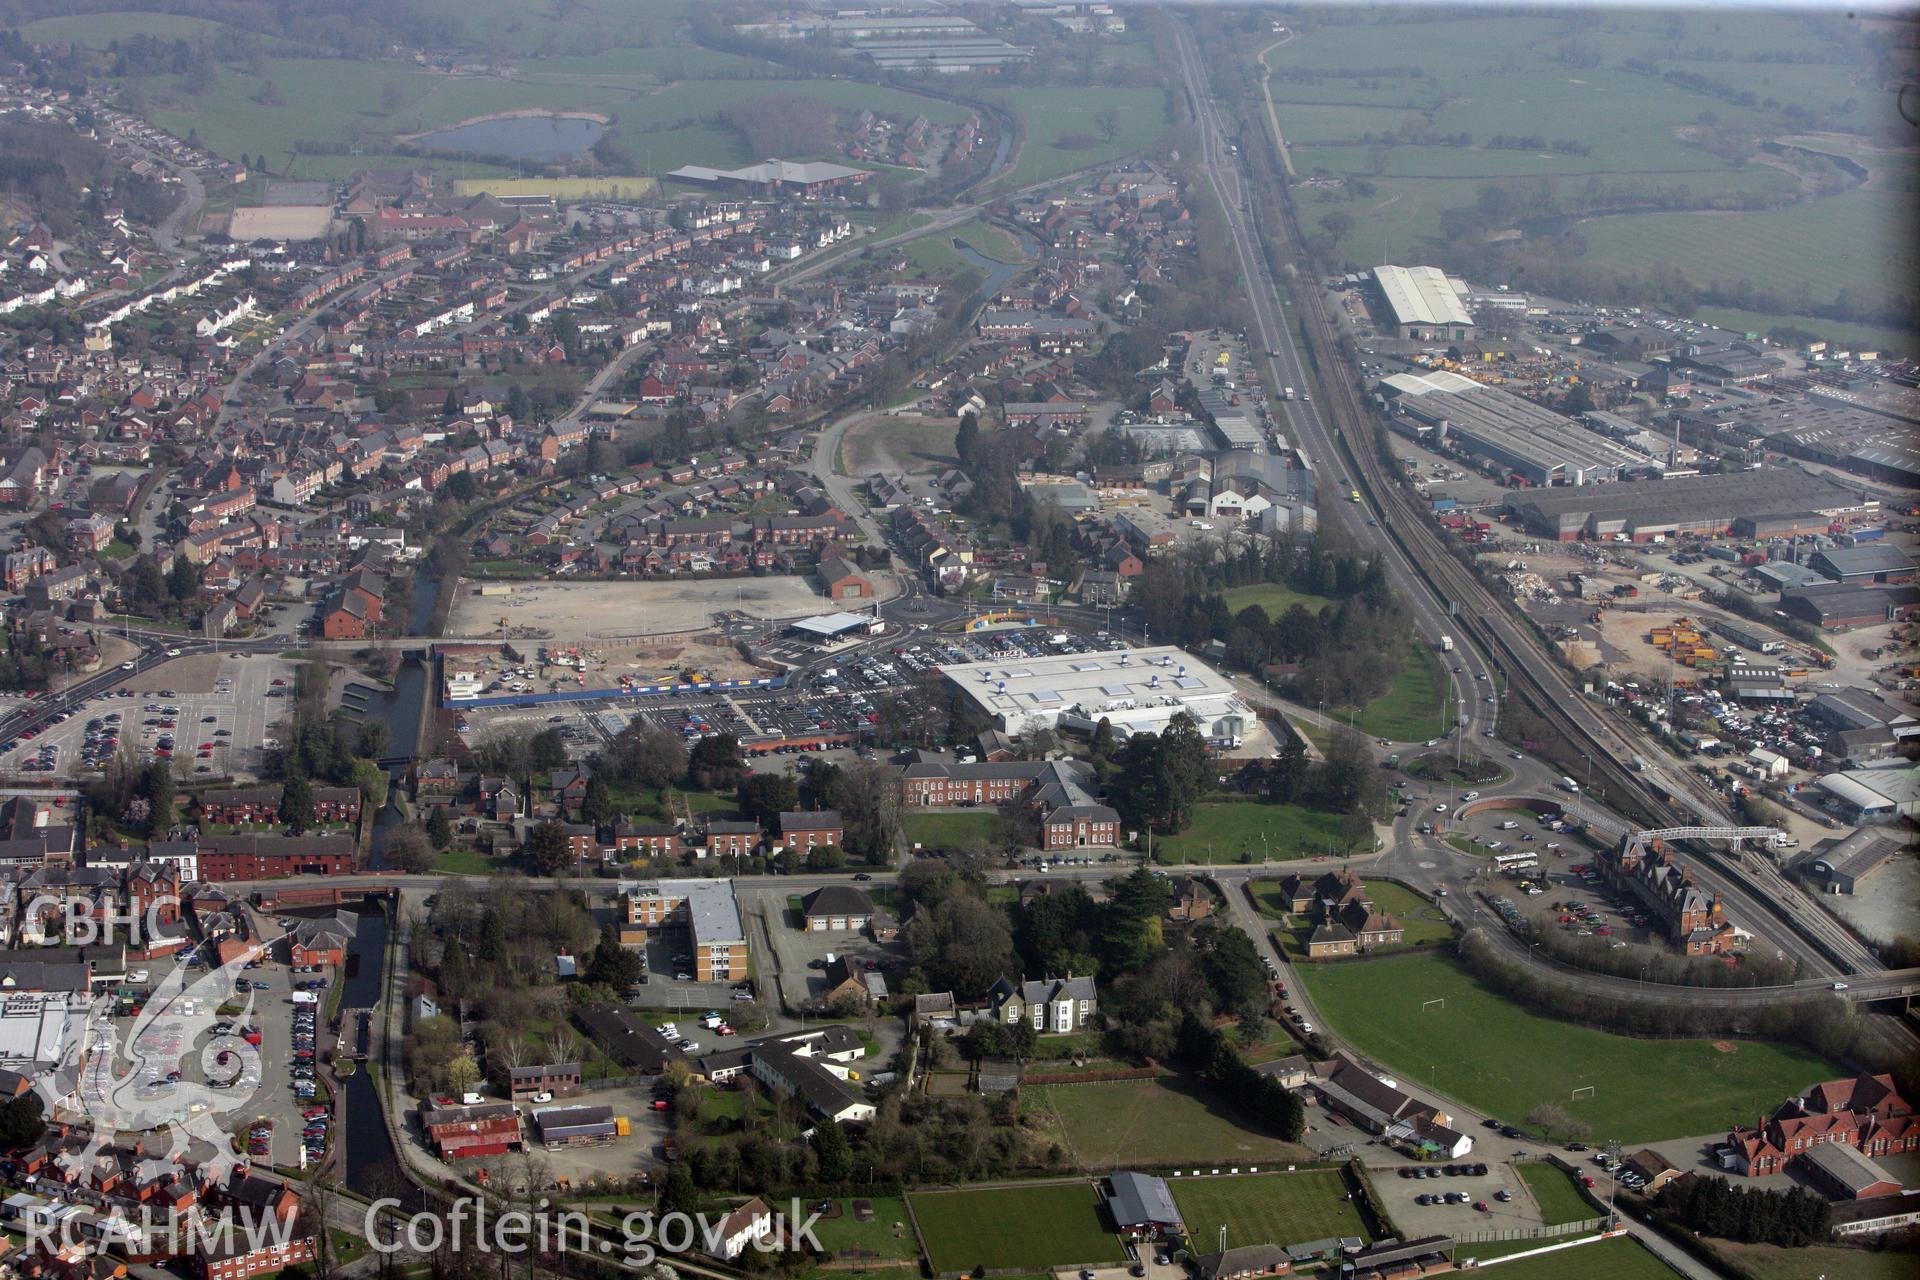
(1701, 505)
(1423, 304)
(1135, 690)
(774, 177)
(1536, 444)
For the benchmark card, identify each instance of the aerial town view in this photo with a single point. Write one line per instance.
(959, 639)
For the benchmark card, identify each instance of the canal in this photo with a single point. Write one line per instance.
(403, 710)
(372, 1167)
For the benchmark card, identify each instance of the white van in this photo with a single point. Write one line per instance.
(304, 997)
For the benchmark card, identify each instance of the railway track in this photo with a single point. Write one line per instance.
(1750, 887)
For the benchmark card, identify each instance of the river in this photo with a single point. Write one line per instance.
(998, 273)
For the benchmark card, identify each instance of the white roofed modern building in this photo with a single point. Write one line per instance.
(1135, 690)
(835, 628)
(772, 177)
(1422, 303)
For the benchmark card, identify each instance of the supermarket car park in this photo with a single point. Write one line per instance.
(831, 702)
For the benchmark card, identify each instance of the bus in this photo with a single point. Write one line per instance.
(1515, 861)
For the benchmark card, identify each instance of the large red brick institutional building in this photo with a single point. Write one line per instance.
(1866, 1113)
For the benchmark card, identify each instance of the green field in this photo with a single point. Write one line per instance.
(1553, 1190)
(1413, 708)
(98, 30)
(1136, 1121)
(335, 101)
(1621, 1258)
(1224, 831)
(1053, 116)
(1503, 1060)
(888, 1237)
(1846, 242)
(1269, 1208)
(1267, 898)
(1850, 337)
(1819, 1262)
(1273, 598)
(1382, 101)
(946, 830)
(1050, 1225)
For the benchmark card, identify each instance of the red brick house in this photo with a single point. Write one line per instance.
(561, 1079)
(646, 839)
(248, 806)
(264, 1236)
(728, 837)
(344, 617)
(568, 787)
(804, 831)
(323, 942)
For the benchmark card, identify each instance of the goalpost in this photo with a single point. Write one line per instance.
(1438, 1002)
(1583, 1092)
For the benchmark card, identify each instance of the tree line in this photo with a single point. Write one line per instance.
(1257, 1096)
(1713, 1206)
(1824, 1024)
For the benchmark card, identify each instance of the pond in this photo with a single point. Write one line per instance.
(522, 137)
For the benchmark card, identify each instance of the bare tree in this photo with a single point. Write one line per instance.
(316, 1219)
(563, 1044)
